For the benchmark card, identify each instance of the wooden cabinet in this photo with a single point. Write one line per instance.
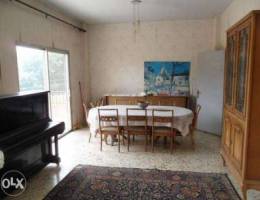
(233, 139)
(237, 145)
(241, 127)
(181, 101)
(227, 136)
(242, 66)
(230, 68)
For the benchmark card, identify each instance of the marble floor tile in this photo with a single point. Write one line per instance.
(75, 149)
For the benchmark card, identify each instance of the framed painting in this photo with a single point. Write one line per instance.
(167, 78)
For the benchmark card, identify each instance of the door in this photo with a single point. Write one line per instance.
(209, 84)
(32, 70)
(59, 87)
(42, 69)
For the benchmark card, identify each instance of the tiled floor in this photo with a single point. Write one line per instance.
(75, 149)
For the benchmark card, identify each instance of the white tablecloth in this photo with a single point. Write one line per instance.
(182, 116)
(1, 159)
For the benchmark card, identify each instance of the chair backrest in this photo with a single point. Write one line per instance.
(135, 115)
(100, 102)
(192, 102)
(162, 117)
(196, 114)
(108, 116)
(97, 103)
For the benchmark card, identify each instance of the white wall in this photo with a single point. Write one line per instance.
(236, 11)
(116, 57)
(20, 24)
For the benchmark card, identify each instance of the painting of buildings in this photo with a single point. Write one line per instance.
(167, 78)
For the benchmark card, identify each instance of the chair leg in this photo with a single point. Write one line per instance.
(152, 143)
(146, 142)
(105, 138)
(101, 140)
(165, 141)
(128, 138)
(112, 139)
(90, 134)
(192, 139)
(123, 137)
(172, 140)
(133, 138)
(119, 142)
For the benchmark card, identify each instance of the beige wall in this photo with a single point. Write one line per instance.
(19, 24)
(237, 10)
(109, 58)
(116, 57)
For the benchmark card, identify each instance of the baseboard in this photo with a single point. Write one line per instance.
(206, 132)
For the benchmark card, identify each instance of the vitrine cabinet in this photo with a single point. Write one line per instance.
(230, 64)
(241, 128)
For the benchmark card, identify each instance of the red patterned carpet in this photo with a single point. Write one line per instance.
(93, 182)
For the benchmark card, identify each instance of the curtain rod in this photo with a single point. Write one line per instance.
(50, 15)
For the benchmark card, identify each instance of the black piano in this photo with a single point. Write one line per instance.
(28, 137)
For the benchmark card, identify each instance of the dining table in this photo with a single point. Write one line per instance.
(182, 116)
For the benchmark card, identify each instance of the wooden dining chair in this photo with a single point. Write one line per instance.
(97, 103)
(136, 124)
(166, 128)
(109, 125)
(193, 126)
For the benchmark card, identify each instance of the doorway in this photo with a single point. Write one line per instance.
(47, 69)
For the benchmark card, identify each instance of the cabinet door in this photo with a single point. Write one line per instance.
(230, 68)
(242, 68)
(237, 143)
(227, 134)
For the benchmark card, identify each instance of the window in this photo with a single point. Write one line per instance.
(44, 69)
(31, 69)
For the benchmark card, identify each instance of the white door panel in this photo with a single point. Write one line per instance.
(210, 79)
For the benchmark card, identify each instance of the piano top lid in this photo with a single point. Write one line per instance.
(23, 94)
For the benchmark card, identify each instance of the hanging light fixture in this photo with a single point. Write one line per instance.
(136, 14)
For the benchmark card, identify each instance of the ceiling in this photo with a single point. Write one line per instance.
(116, 11)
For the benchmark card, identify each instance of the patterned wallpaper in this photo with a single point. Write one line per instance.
(19, 25)
(117, 55)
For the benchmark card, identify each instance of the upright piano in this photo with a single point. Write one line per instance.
(28, 137)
